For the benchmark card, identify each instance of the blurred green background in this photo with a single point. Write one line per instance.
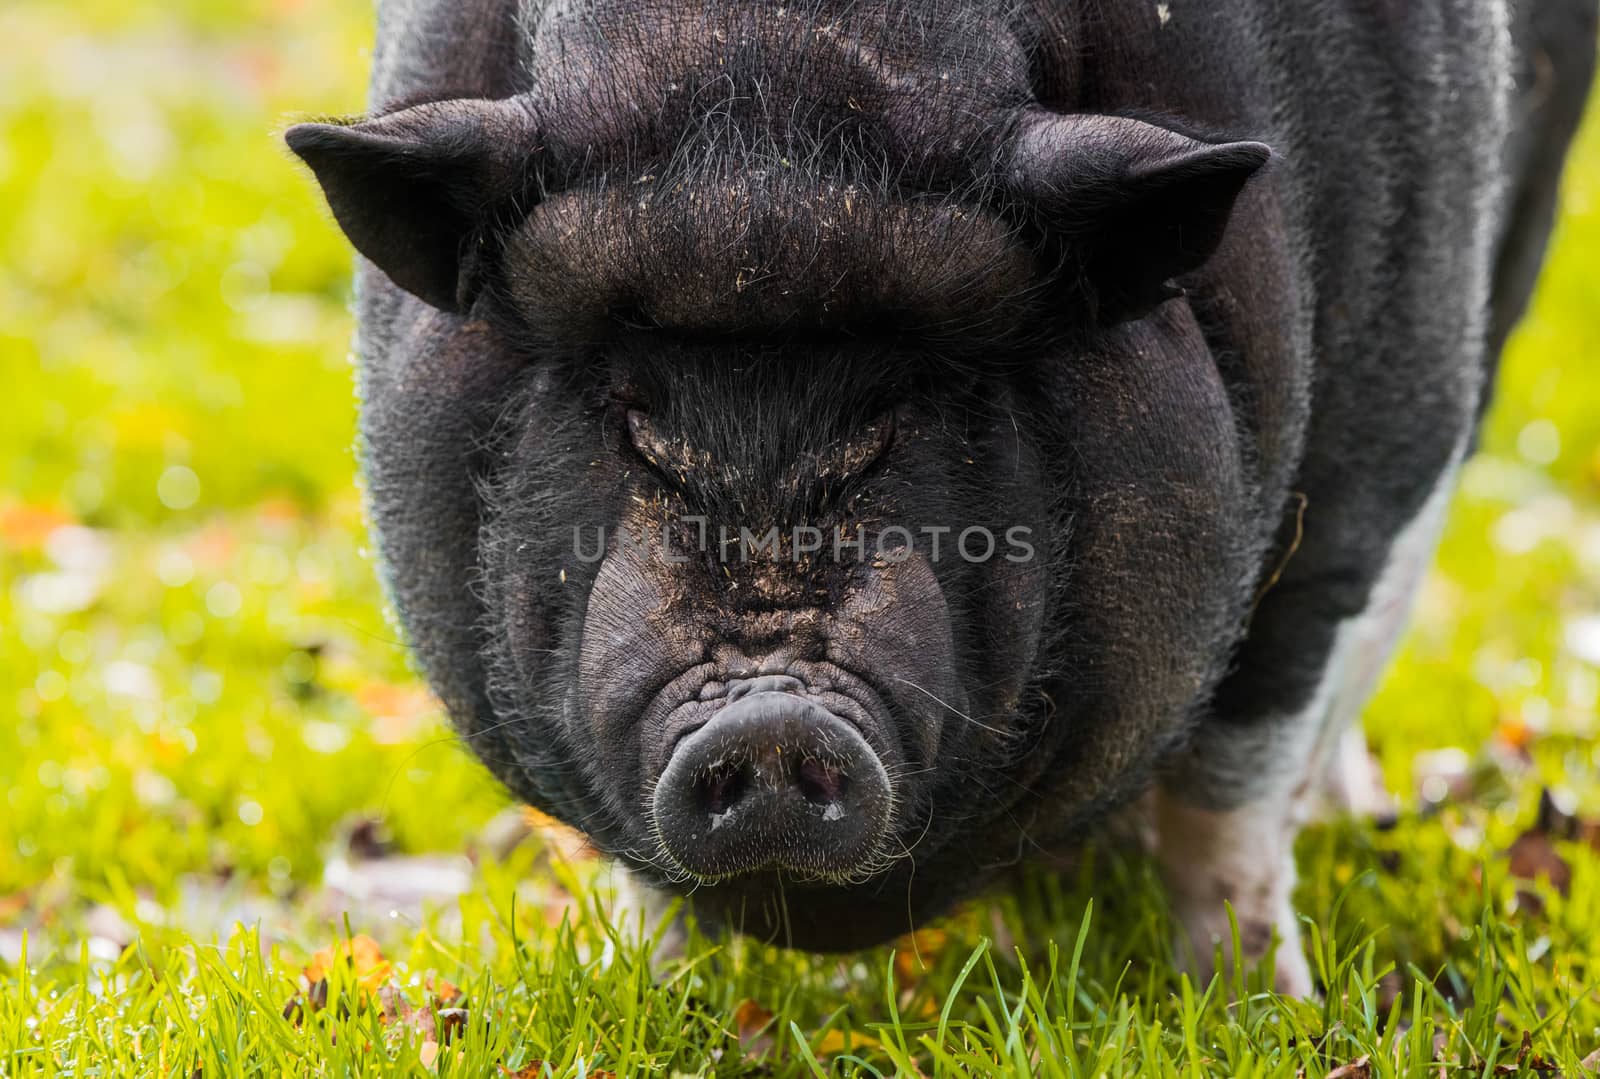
(197, 679)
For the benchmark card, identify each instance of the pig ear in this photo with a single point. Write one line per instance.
(1138, 202)
(414, 190)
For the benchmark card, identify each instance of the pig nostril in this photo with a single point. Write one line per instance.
(722, 787)
(821, 784)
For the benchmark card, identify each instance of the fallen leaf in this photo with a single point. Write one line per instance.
(452, 1022)
(1360, 1068)
(364, 957)
(397, 1010)
(315, 999)
(915, 953)
(1534, 855)
(1526, 1060)
(754, 1026)
(428, 1054)
(1591, 1063)
(444, 994)
(836, 1041)
(533, 1069)
(366, 838)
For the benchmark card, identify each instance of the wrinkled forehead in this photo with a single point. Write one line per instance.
(767, 251)
(623, 74)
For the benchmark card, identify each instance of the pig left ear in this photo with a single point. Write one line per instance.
(1139, 203)
(414, 190)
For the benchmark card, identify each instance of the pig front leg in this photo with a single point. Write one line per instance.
(1226, 816)
(1240, 857)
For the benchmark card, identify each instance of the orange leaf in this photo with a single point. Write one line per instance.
(915, 952)
(364, 957)
(752, 1022)
(442, 991)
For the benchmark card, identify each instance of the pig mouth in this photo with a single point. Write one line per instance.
(781, 769)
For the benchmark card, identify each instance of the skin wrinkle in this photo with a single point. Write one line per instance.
(877, 259)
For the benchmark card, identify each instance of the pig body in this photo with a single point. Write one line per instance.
(1190, 310)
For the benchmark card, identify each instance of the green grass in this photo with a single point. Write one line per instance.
(199, 691)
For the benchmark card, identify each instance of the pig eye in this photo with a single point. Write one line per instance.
(640, 435)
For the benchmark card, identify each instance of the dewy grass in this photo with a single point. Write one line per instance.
(235, 838)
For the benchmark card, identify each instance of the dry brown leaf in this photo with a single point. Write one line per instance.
(754, 1026)
(396, 1009)
(1360, 1068)
(452, 1023)
(1526, 1060)
(444, 993)
(1534, 855)
(534, 1069)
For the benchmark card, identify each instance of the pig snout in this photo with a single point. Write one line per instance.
(773, 781)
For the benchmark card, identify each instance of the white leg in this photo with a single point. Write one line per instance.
(1244, 854)
(1243, 857)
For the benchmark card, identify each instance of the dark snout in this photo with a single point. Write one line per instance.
(773, 781)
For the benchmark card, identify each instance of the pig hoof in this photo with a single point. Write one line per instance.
(1242, 857)
(1206, 933)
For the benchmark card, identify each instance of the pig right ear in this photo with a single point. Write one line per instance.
(1135, 202)
(415, 190)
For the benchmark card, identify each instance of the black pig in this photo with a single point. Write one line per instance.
(827, 450)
